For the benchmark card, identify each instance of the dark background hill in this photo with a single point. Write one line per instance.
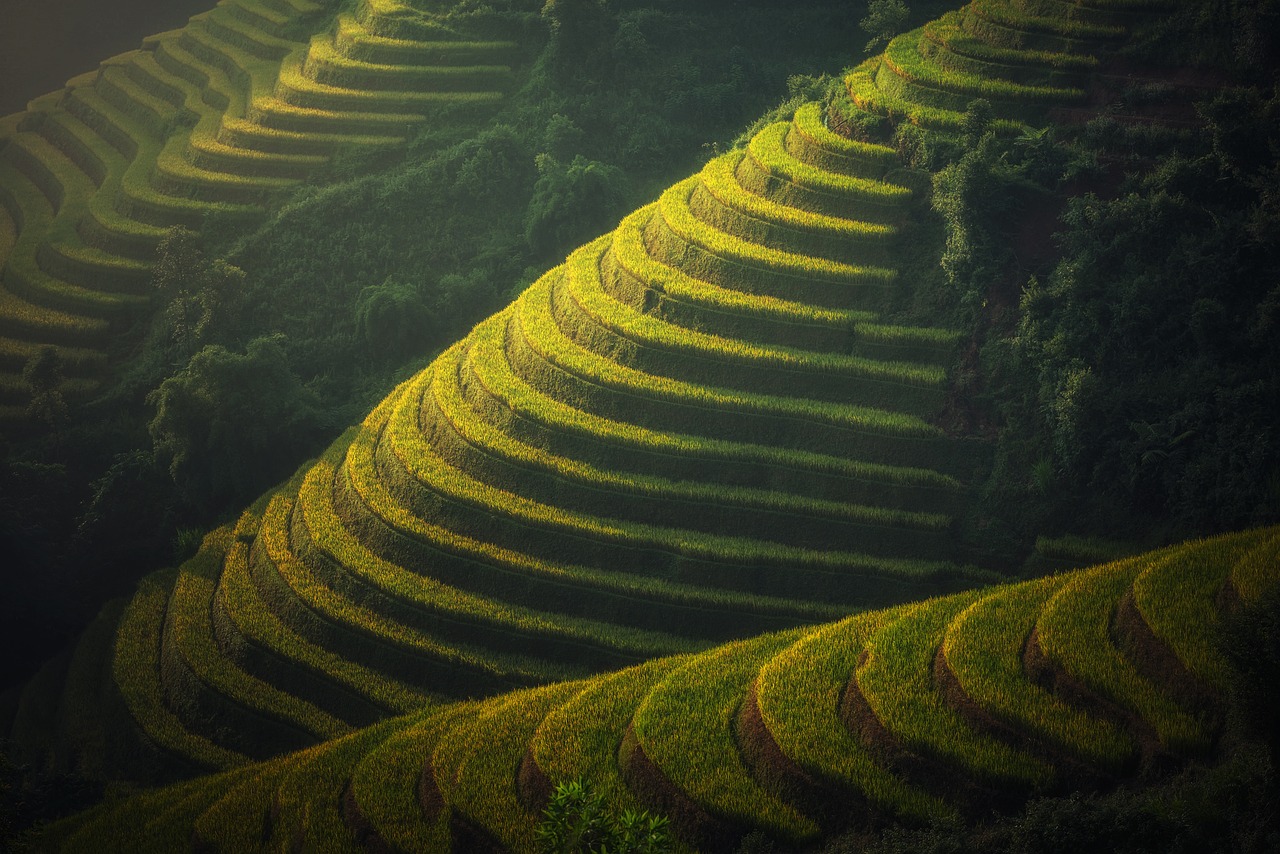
(43, 44)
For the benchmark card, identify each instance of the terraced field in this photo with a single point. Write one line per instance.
(947, 706)
(218, 121)
(700, 427)
(688, 432)
(1025, 57)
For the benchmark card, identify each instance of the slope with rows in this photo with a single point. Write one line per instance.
(699, 427)
(217, 121)
(688, 432)
(953, 705)
(1026, 58)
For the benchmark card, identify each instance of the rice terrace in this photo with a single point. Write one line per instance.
(643, 426)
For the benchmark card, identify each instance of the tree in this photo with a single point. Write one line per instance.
(393, 320)
(227, 425)
(580, 30)
(884, 20)
(571, 203)
(43, 373)
(197, 294)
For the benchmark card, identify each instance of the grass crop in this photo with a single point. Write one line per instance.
(522, 626)
(273, 112)
(189, 636)
(121, 91)
(208, 151)
(353, 40)
(700, 756)
(920, 80)
(812, 142)
(798, 693)
(534, 319)
(258, 625)
(629, 249)
(896, 679)
(868, 198)
(422, 462)
(476, 765)
(14, 353)
(1009, 15)
(150, 823)
(1253, 575)
(360, 468)
(579, 738)
(950, 36)
(1177, 598)
(25, 276)
(493, 373)
(236, 819)
(860, 83)
(81, 729)
(679, 238)
(136, 672)
(296, 88)
(268, 18)
(719, 178)
(215, 86)
(222, 22)
(356, 622)
(984, 646)
(22, 318)
(309, 793)
(583, 283)
(326, 64)
(633, 488)
(242, 133)
(420, 779)
(1074, 634)
(178, 176)
(385, 784)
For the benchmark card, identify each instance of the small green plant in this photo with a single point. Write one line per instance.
(577, 821)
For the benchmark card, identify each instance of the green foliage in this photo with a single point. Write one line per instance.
(884, 20)
(576, 820)
(226, 418)
(199, 296)
(393, 320)
(579, 35)
(571, 202)
(973, 201)
(44, 375)
(1145, 348)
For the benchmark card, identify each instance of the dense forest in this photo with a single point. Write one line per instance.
(960, 300)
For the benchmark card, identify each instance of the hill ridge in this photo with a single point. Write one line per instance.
(798, 734)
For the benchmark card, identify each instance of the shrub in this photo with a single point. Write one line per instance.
(576, 821)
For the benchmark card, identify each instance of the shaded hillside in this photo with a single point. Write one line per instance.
(377, 262)
(700, 427)
(214, 123)
(951, 706)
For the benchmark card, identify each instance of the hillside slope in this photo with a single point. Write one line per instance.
(698, 428)
(953, 705)
(211, 125)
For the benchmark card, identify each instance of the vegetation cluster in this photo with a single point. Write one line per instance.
(996, 302)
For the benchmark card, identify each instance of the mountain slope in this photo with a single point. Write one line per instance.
(217, 122)
(953, 705)
(699, 427)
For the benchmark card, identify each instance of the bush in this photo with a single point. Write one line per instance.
(572, 203)
(576, 821)
(228, 425)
